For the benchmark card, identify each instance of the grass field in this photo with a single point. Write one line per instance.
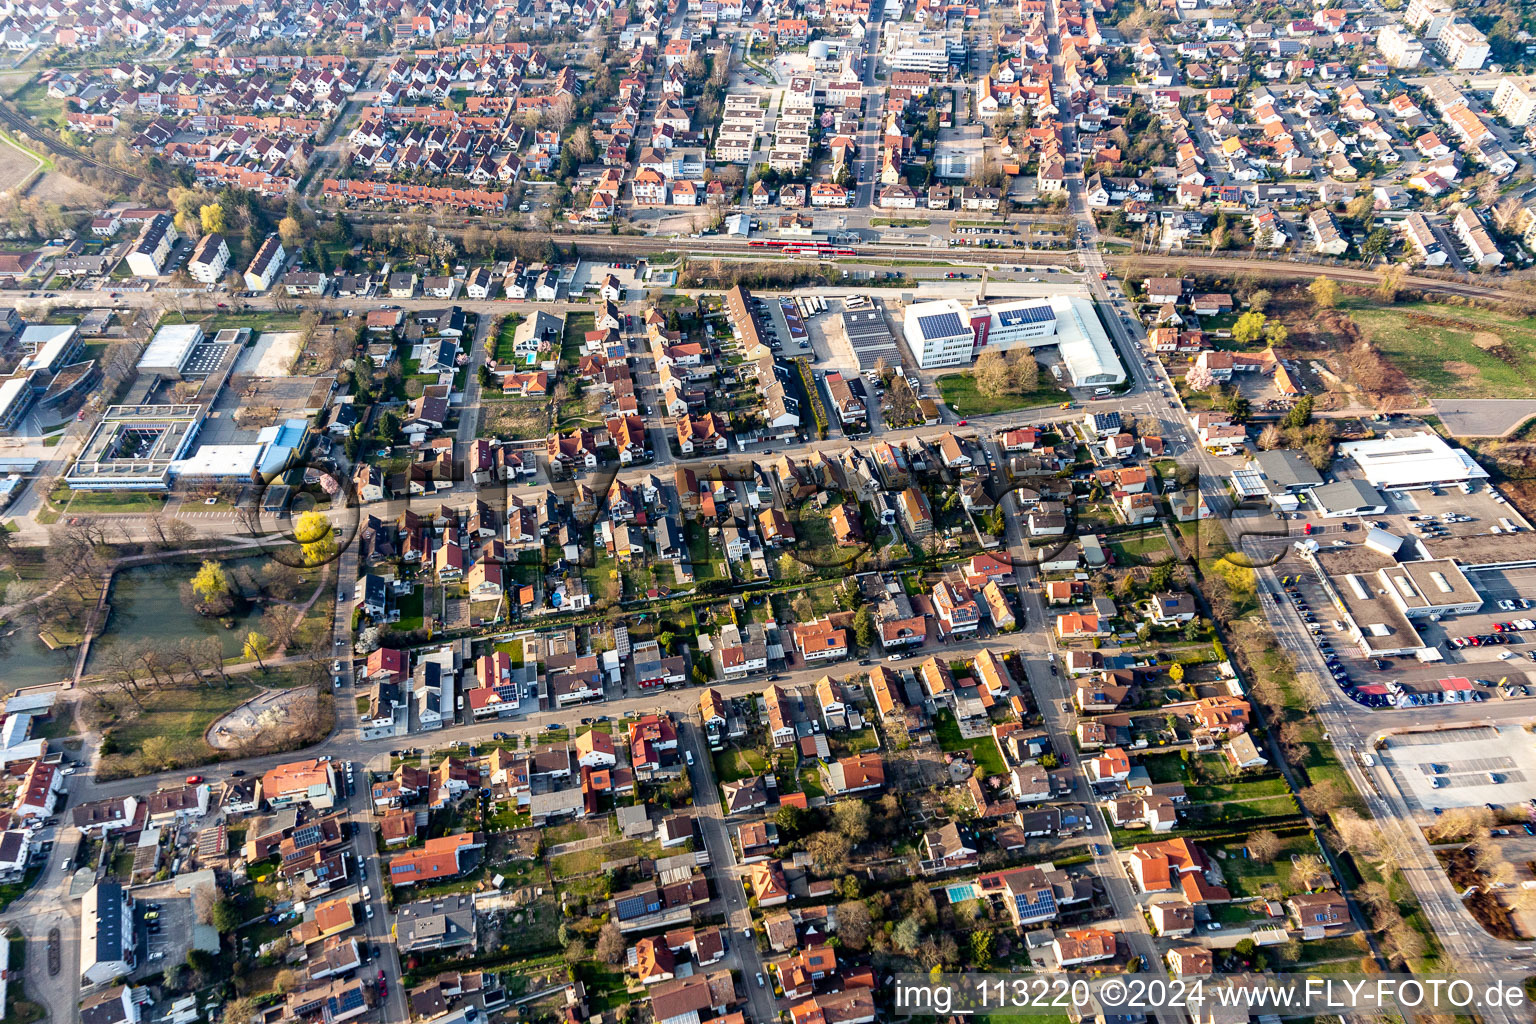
(1140, 549)
(960, 394)
(1248, 877)
(1454, 351)
(503, 351)
(106, 502)
(576, 327)
(1238, 791)
(411, 610)
(182, 715)
(731, 765)
(982, 749)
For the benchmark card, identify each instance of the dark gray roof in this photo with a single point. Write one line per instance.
(110, 940)
(1347, 495)
(1285, 469)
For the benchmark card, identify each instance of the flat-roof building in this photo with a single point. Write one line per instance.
(168, 350)
(16, 397)
(939, 333)
(49, 347)
(947, 333)
(1400, 462)
(1430, 587)
(134, 446)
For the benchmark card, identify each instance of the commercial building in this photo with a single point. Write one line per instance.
(939, 333)
(946, 333)
(1285, 472)
(863, 324)
(911, 47)
(1347, 498)
(1430, 588)
(1412, 461)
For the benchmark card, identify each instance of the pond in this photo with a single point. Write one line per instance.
(146, 607)
(27, 661)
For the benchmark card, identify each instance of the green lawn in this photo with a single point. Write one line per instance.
(1165, 768)
(576, 327)
(182, 716)
(1454, 351)
(982, 749)
(1140, 549)
(1247, 877)
(412, 613)
(502, 350)
(1238, 791)
(731, 764)
(810, 779)
(1265, 807)
(259, 321)
(106, 502)
(514, 650)
(960, 394)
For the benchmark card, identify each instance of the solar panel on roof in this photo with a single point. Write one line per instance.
(630, 906)
(1026, 315)
(941, 325)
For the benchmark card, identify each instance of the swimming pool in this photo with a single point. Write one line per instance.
(961, 892)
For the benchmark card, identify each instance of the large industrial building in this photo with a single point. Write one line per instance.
(1401, 462)
(945, 332)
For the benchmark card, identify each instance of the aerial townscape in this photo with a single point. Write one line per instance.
(685, 512)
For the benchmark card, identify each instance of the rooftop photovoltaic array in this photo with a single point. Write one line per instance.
(1021, 315)
(941, 325)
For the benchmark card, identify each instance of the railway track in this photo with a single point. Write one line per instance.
(16, 122)
(621, 245)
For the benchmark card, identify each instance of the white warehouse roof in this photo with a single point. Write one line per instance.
(1085, 348)
(170, 347)
(1411, 460)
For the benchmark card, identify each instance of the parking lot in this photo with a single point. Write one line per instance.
(164, 919)
(1463, 767)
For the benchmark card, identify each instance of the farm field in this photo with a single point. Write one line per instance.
(17, 166)
(1454, 351)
